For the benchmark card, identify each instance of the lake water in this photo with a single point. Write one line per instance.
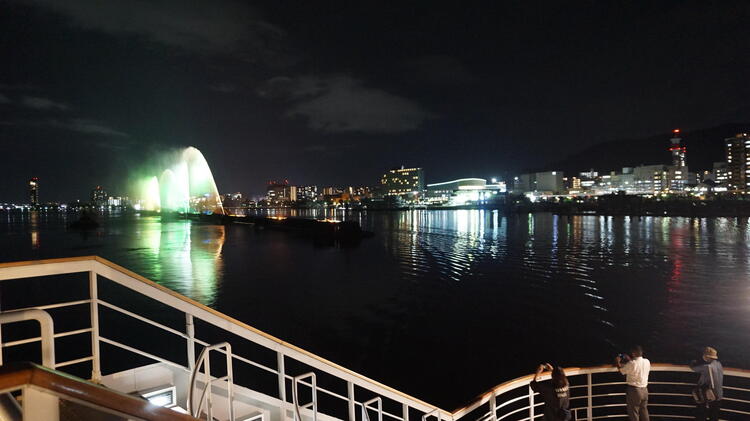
(445, 304)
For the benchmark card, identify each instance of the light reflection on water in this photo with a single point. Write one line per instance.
(464, 290)
(182, 256)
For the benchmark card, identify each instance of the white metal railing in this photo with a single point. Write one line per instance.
(314, 396)
(597, 392)
(100, 270)
(207, 395)
(46, 327)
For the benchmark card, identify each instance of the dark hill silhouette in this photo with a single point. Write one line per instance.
(704, 147)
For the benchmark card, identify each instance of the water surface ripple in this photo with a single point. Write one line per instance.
(444, 304)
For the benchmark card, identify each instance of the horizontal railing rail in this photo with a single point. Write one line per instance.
(595, 393)
(98, 267)
(514, 400)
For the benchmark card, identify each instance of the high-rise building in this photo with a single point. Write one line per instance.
(720, 172)
(34, 191)
(98, 196)
(402, 181)
(331, 191)
(278, 192)
(679, 151)
(738, 161)
(307, 192)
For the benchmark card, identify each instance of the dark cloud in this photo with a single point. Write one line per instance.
(287, 88)
(195, 25)
(79, 125)
(343, 104)
(40, 103)
(93, 127)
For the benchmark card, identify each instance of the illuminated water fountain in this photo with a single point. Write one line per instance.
(182, 183)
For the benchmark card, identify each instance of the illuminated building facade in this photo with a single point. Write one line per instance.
(738, 162)
(307, 192)
(650, 178)
(361, 191)
(331, 191)
(117, 202)
(464, 191)
(402, 181)
(675, 178)
(99, 196)
(549, 182)
(279, 193)
(34, 191)
(720, 173)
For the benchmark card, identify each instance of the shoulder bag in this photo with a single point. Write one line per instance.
(705, 393)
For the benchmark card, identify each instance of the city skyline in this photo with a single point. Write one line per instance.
(409, 184)
(331, 94)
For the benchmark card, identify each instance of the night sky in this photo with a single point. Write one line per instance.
(334, 93)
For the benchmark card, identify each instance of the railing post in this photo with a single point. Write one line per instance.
(209, 392)
(190, 332)
(405, 412)
(531, 404)
(493, 407)
(589, 398)
(96, 369)
(40, 405)
(230, 380)
(1, 338)
(295, 395)
(366, 406)
(282, 383)
(350, 395)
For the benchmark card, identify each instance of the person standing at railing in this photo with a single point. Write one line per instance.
(712, 378)
(555, 393)
(636, 376)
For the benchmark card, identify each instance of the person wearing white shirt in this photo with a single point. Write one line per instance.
(636, 376)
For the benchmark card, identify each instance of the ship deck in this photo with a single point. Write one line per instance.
(148, 345)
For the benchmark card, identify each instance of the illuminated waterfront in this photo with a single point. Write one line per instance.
(443, 292)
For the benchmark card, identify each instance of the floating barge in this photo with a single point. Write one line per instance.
(323, 231)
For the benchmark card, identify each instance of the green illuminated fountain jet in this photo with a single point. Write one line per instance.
(183, 183)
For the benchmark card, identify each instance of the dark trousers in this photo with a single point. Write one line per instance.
(709, 411)
(636, 399)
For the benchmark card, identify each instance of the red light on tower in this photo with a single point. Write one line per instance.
(676, 131)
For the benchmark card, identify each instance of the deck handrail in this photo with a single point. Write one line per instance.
(522, 381)
(46, 325)
(97, 266)
(123, 276)
(17, 375)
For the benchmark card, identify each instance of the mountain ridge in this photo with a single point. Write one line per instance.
(704, 147)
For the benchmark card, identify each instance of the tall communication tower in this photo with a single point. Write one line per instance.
(679, 152)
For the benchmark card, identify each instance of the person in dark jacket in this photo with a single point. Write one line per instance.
(555, 393)
(712, 376)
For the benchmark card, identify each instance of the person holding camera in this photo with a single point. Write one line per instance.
(555, 393)
(708, 393)
(636, 370)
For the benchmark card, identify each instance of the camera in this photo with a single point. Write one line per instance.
(623, 357)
